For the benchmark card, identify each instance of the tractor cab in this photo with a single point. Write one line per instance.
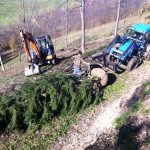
(134, 35)
(46, 48)
(139, 32)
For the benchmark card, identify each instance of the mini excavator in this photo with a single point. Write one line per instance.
(42, 53)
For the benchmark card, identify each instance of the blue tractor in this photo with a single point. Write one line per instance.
(131, 49)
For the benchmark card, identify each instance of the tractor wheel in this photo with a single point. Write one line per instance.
(147, 53)
(54, 61)
(100, 75)
(132, 64)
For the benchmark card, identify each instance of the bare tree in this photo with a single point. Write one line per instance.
(124, 5)
(66, 20)
(24, 13)
(118, 16)
(139, 5)
(82, 12)
(125, 15)
(66, 24)
(56, 20)
(92, 19)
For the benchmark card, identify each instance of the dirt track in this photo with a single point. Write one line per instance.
(99, 121)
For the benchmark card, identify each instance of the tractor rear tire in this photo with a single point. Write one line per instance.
(132, 64)
(100, 75)
(147, 53)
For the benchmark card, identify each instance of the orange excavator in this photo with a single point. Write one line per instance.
(42, 53)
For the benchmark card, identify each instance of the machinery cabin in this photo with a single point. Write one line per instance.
(46, 49)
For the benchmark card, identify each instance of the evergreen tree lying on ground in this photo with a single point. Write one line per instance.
(37, 103)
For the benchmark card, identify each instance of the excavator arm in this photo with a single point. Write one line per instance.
(34, 68)
(28, 36)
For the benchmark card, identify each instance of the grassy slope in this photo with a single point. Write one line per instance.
(99, 33)
(10, 9)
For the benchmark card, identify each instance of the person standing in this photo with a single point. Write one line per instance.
(77, 61)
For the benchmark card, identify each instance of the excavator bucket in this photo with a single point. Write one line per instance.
(29, 71)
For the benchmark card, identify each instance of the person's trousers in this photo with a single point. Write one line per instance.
(77, 72)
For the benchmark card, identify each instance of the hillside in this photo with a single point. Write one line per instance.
(12, 9)
(102, 35)
(98, 33)
(51, 111)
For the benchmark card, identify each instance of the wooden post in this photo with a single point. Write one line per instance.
(2, 63)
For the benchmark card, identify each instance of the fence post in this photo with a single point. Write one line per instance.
(2, 63)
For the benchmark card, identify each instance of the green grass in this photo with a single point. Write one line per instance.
(145, 95)
(11, 9)
(122, 120)
(91, 52)
(10, 80)
(124, 75)
(8, 12)
(11, 62)
(145, 111)
(113, 89)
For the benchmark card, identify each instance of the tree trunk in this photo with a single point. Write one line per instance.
(117, 21)
(91, 20)
(20, 52)
(2, 63)
(24, 15)
(139, 12)
(67, 26)
(125, 14)
(82, 12)
(55, 36)
(62, 33)
(17, 51)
